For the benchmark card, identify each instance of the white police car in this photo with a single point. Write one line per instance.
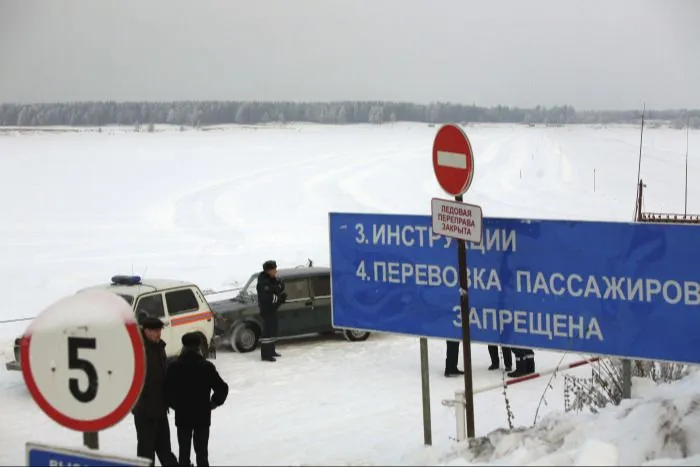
(180, 305)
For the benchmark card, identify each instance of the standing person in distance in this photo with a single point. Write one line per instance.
(189, 383)
(151, 410)
(271, 296)
(451, 359)
(524, 362)
(507, 357)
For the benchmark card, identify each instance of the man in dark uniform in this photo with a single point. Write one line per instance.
(524, 362)
(452, 358)
(507, 357)
(189, 382)
(150, 411)
(271, 296)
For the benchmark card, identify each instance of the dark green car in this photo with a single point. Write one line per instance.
(306, 311)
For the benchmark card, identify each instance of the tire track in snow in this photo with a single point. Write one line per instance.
(356, 179)
(196, 212)
(524, 153)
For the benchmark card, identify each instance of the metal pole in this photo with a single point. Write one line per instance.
(687, 140)
(91, 440)
(641, 140)
(626, 379)
(627, 364)
(466, 336)
(459, 413)
(425, 391)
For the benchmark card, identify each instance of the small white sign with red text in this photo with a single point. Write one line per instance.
(457, 220)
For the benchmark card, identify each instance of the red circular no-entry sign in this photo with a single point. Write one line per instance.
(453, 160)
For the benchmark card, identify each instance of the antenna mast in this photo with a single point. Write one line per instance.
(638, 206)
(687, 139)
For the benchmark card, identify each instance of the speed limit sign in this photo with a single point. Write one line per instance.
(83, 360)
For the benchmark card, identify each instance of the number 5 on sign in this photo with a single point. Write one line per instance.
(77, 363)
(83, 360)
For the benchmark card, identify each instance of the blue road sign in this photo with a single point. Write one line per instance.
(623, 289)
(52, 456)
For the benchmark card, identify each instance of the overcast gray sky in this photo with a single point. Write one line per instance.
(598, 54)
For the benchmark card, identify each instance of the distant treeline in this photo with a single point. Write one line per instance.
(203, 113)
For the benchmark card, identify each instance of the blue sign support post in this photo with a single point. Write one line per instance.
(630, 290)
(466, 334)
(453, 164)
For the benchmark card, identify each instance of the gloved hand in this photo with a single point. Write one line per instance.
(281, 285)
(283, 297)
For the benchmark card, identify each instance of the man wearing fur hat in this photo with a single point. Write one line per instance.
(189, 383)
(271, 296)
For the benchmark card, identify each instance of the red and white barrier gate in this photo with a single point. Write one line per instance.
(459, 402)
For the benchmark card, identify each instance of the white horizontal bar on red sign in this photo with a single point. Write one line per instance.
(456, 160)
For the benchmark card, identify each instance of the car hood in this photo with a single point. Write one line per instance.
(226, 307)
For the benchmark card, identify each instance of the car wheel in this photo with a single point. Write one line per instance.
(355, 335)
(244, 338)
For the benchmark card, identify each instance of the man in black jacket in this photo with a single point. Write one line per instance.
(271, 296)
(150, 411)
(189, 383)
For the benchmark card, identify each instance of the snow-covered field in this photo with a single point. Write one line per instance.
(210, 206)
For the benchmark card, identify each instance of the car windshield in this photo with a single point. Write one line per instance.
(249, 291)
(129, 299)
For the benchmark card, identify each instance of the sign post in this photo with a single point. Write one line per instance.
(425, 392)
(83, 362)
(91, 440)
(453, 163)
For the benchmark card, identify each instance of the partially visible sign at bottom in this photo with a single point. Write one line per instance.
(53, 456)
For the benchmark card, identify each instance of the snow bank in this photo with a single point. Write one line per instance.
(662, 428)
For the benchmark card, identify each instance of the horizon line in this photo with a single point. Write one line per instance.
(329, 102)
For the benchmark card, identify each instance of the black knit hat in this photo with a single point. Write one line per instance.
(191, 339)
(269, 265)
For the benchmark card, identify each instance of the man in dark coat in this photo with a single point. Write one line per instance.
(271, 296)
(189, 383)
(150, 411)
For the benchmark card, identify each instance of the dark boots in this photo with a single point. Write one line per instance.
(524, 365)
(507, 357)
(451, 369)
(451, 359)
(267, 352)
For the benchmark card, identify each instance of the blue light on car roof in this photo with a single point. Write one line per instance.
(126, 280)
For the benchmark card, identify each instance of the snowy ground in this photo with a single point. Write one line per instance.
(659, 426)
(211, 206)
